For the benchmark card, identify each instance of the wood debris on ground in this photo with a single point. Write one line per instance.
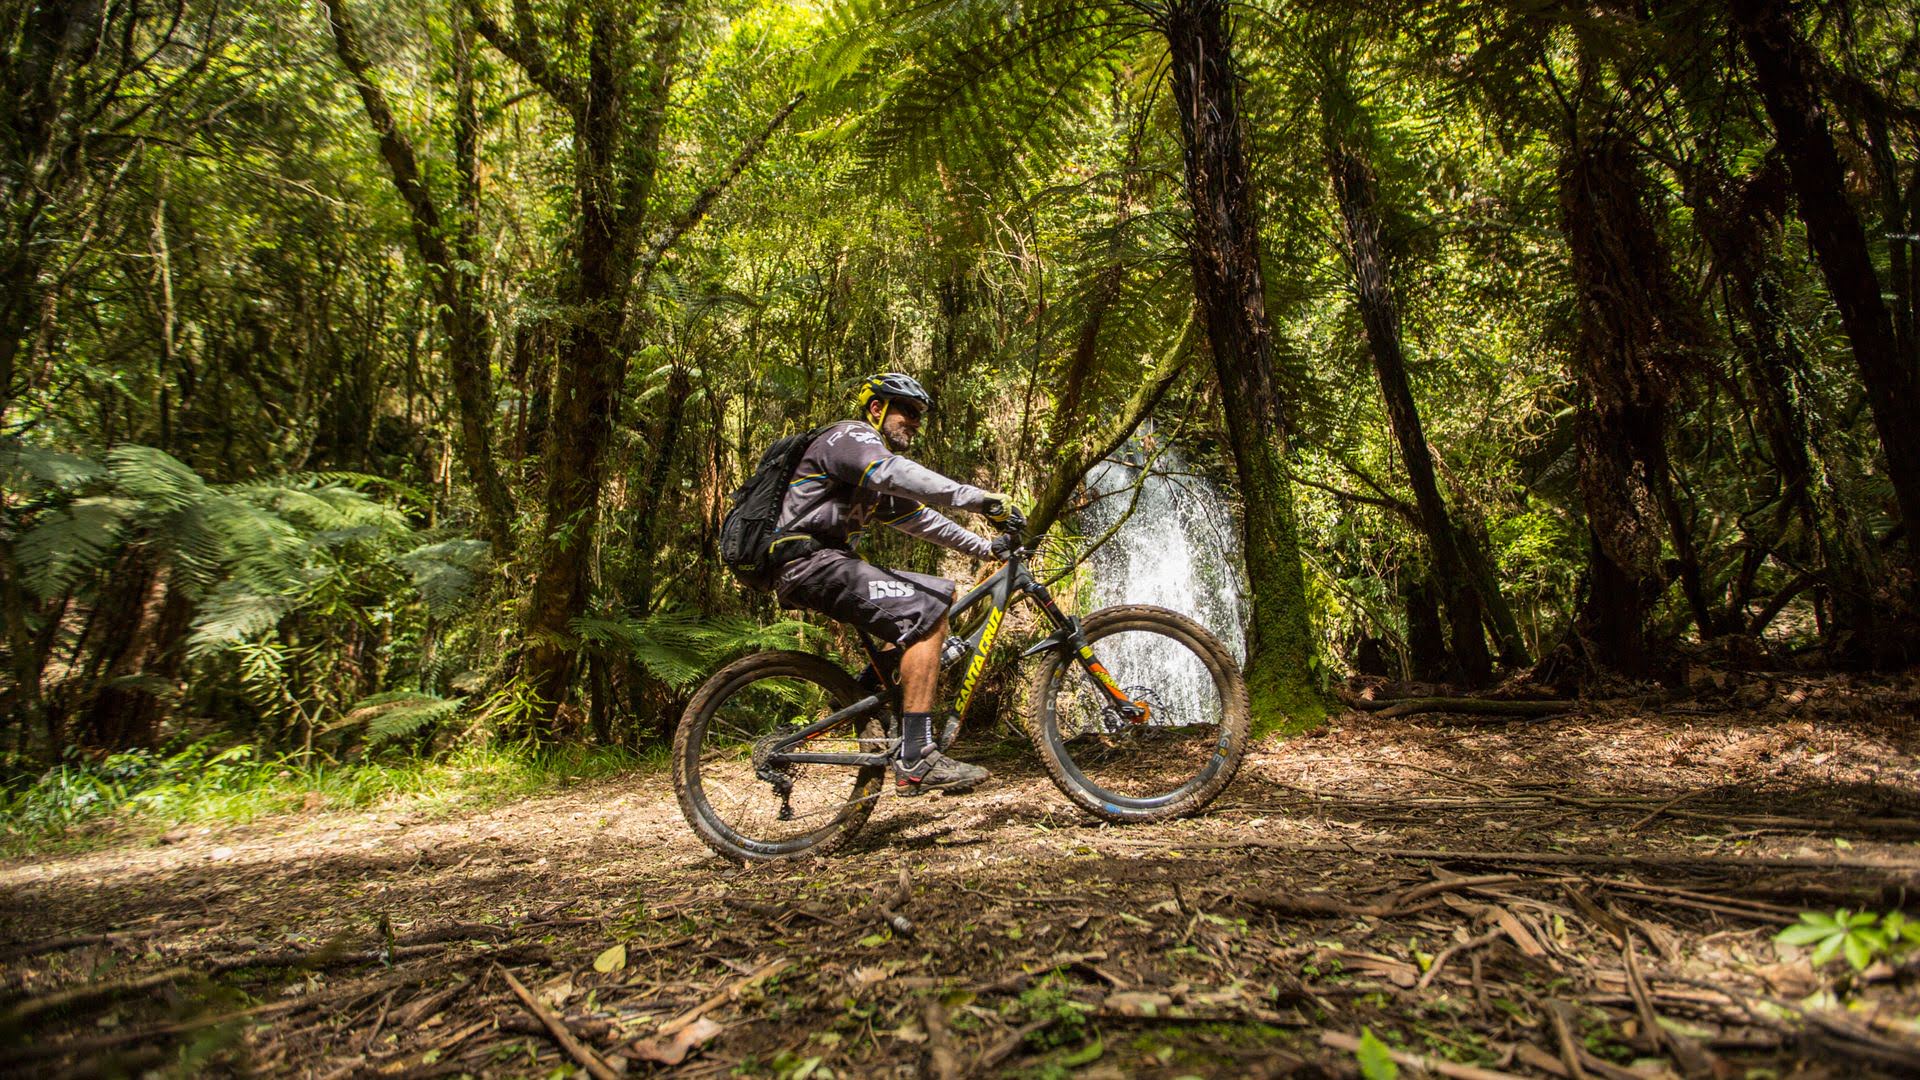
(1589, 894)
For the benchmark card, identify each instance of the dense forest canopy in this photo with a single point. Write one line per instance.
(377, 373)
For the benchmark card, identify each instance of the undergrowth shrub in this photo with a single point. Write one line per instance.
(200, 783)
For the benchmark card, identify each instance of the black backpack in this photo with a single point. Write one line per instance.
(750, 528)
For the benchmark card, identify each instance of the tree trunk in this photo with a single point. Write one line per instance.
(1634, 334)
(1354, 189)
(134, 632)
(28, 661)
(644, 525)
(1739, 223)
(454, 274)
(1224, 250)
(614, 180)
(1783, 73)
(1072, 460)
(1426, 641)
(47, 44)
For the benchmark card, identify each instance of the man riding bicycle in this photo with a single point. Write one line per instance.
(852, 476)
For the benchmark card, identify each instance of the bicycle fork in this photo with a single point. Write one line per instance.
(1067, 635)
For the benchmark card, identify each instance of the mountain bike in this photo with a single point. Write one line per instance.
(1139, 714)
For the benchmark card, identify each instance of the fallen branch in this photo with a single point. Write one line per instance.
(1468, 706)
(942, 1062)
(889, 907)
(1557, 858)
(1661, 809)
(1451, 951)
(78, 941)
(1563, 1034)
(1694, 1059)
(76, 995)
(588, 1059)
(1315, 905)
(352, 992)
(1010, 1042)
(722, 996)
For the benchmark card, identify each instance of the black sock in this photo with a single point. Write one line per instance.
(916, 735)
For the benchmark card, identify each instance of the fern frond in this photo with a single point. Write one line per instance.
(156, 478)
(228, 536)
(992, 90)
(35, 468)
(233, 614)
(740, 635)
(663, 644)
(71, 542)
(321, 509)
(399, 713)
(443, 573)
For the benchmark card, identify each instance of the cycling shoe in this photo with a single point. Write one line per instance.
(935, 772)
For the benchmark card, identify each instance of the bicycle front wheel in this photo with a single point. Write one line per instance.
(1177, 759)
(741, 802)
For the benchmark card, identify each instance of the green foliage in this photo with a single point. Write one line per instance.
(41, 470)
(983, 87)
(240, 396)
(679, 647)
(445, 573)
(68, 543)
(79, 800)
(1375, 1060)
(1861, 937)
(397, 714)
(1049, 1000)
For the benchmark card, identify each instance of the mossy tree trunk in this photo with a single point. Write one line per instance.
(1223, 247)
(449, 248)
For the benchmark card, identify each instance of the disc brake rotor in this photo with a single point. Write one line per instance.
(1145, 696)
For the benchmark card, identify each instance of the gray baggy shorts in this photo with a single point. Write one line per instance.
(899, 607)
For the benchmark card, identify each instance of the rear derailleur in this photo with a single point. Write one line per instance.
(778, 774)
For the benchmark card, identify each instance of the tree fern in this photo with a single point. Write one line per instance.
(71, 542)
(444, 572)
(399, 713)
(679, 647)
(155, 477)
(35, 468)
(662, 645)
(989, 88)
(232, 614)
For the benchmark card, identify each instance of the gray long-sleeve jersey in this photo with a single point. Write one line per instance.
(872, 484)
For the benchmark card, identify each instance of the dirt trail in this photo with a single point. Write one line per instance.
(1589, 895)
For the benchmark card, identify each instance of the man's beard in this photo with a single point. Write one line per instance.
(896, 443)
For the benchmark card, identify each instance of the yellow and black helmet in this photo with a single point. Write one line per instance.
(892, 387)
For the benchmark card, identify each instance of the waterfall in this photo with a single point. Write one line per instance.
(1179, 549)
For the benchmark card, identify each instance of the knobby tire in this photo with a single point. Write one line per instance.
(735, 684)
(1211, 776)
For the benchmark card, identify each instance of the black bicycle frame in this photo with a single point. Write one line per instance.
(999, 592)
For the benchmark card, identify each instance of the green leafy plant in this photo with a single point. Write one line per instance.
(679, 648)
(1859, 936)
(1376, 1061)
(397, 714)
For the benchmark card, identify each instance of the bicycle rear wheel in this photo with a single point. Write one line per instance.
(1176, 760)
(731, 792)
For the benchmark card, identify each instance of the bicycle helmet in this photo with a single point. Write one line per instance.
(891, 387)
